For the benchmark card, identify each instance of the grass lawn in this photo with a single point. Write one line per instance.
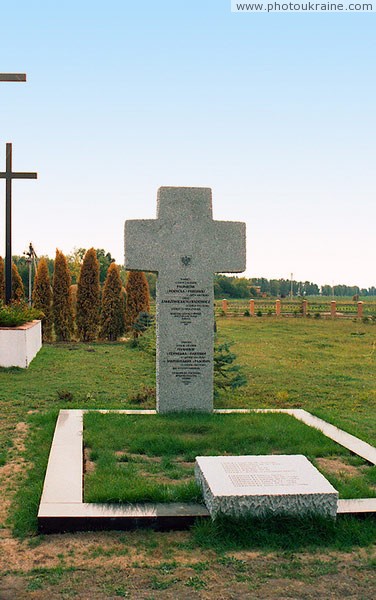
(151, 458)
(326, 367)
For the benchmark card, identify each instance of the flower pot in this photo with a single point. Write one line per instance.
(19, 345)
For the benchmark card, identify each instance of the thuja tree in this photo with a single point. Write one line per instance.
(2, 280)
(18, 292)
(88, 298)
(42, 298)
(112, 315)
(61, 300)
(138, 298)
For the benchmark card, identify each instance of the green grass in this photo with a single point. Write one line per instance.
(326, 367)
(284, 533)
(151, 458)
(320, 366)
(95, 375)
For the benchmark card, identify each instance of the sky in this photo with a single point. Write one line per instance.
(275, 112)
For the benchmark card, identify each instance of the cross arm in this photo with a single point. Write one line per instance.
(230, 247)
(19, 175)
(12, 76)
(141, 245)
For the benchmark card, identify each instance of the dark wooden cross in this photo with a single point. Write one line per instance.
(8, 175)
(12, 76)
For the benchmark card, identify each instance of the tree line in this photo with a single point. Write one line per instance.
(242, 287)
(224, 286)
(85, 310)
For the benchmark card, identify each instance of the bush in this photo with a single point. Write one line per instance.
(227, 375)
(138, 299)
(62, 303)
(112, 316)
(88, 298)
(18, 292)
(14, 315)
(42, 298)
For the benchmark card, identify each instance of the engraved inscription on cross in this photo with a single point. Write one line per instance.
(185, 247)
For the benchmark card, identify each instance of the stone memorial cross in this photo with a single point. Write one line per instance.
(185, 247)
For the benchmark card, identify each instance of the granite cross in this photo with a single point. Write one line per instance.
(185, 247)
(8, 175)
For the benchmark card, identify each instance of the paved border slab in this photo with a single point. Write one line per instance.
(62, 508)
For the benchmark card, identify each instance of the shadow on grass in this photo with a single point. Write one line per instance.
(285, 533)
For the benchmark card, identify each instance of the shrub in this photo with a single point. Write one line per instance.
(18, 292)
(88, 298)
(112, 321)
(42, 298)
(61, 300)
(138, 299)
(13, 315)
(227, 375)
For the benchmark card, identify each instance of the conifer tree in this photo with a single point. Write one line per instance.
(2, 280)
(112, 316)
(138, 298)
(18, 292)
(42, 298)
(61, 300)
(88, 298)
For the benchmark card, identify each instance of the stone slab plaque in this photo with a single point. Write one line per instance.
(185, 246)
(260, 486)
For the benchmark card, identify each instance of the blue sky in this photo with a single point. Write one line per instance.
(274, 112)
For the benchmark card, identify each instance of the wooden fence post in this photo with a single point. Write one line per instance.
(333, 309)
(224, 305)
(278, 307)
(252, 308)
(360, 310)
(304, 307)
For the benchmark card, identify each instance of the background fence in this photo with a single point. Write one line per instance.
(295, 308)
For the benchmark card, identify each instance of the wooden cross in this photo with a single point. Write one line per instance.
(8, 175)
(12, 76)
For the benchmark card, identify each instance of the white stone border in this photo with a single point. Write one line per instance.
(62, 508)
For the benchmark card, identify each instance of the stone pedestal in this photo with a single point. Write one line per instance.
(262, 486)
